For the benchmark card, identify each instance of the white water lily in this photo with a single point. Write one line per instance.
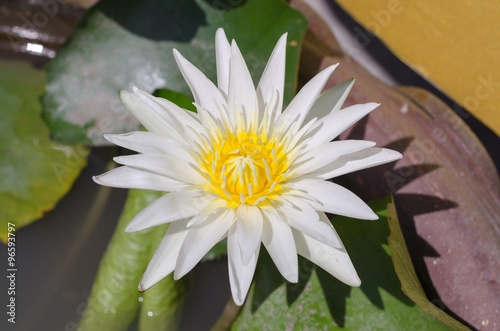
(241, 168)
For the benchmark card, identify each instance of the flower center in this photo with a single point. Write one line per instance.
(243, 169)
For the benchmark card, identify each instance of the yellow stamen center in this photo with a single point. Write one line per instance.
(241, 168)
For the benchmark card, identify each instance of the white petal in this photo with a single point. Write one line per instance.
(210, 125)
(223, 56)
(360, 160)
(201, 238)
(205, 93)
(330, 126)
(148, 116)
(164, 165)
(302, 216)
(142, 141)
(336, 241)
(151, 143)
(240, 275)
(273, 78)
(330, 101)
(212, 207)
(333, 198)
(249, 228)
(278, 239)
(169, 208)
(333, 260)
(303, 101)
(176, 116)
(126, 177)
(164, 259)
(241, 96)
(326, 154)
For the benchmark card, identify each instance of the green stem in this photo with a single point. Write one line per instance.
(227, 317)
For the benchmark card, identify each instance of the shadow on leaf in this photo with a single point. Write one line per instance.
(293, 290)
(267, 279)
(387, 179)
(364, 241)
(225, 4)
(176, 20)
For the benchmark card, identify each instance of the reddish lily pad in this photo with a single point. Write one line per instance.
(406, 272)
(446, 188)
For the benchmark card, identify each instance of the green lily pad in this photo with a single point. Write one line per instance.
(321, 302)
(34, 171)
(121, 44)
(115, 301)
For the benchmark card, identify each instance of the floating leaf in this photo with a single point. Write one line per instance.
(446, 187)
(34, 171)
(321, 302)
(121, 44)
(443, 41)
